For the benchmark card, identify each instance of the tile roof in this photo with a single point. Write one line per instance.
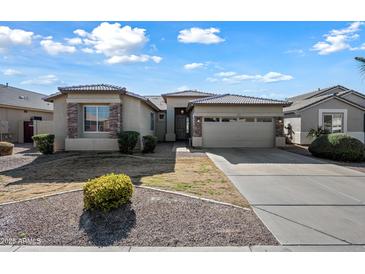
(299, 105)
(237, 100)
(88, 88)
(144, 99)
(318, 92)
(188, 93)
(21, 98)
(158, 101)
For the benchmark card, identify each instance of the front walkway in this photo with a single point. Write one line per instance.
(302, 200)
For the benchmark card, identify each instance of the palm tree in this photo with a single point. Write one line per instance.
(361, 60)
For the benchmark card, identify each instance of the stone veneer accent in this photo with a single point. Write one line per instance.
(115, 113)
(72, 120)
(279, 127)
(197, 126)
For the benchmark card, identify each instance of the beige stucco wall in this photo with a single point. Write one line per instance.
(135, 116)
(16, 117)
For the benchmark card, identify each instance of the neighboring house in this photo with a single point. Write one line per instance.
(89, 118)
(19, 109)
(337, 109)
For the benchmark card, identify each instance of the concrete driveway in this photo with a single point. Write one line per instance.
(303, 201)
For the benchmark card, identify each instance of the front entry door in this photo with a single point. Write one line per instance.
(180, 124)
(28, 131)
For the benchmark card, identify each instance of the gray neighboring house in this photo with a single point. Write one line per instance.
(19, 109)
(336, 108)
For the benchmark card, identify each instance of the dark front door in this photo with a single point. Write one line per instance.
(28, 131)
(180, 124)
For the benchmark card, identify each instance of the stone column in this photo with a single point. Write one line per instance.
(72, 120)
(197, 126)
(115, 119)
(279, 127)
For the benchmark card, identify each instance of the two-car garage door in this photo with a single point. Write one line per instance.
(238, 132)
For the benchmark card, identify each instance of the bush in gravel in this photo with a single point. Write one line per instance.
(127, 141)
(338, 146)
(108, 191)
(44, 143)
(149, 143)
(6, 148)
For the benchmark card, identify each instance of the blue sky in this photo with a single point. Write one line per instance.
(266, 59)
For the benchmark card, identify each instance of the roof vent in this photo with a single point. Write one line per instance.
(23, 97)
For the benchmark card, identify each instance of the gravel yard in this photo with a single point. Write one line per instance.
(152, 219)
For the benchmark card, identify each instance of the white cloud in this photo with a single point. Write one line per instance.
(233, 77)
(119, 44)
(120, 59)
(338, 40)
(88, 50)
(74, 41)
(198, 35)
(193, 66)
(275, 77)
(42, 80)
(54, 48)
(225, 74)
(80, 32)
(299, 52)
(12, 72)
(10, 37)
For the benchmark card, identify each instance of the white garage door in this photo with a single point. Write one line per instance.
(242, 132)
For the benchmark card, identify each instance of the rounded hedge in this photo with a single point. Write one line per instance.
(108, 191)
(44, 142)
(337, 146)
(6, 148)
(149, 143)
(127, 141)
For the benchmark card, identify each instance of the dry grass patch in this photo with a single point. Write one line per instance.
(192, 175)
(198, 176)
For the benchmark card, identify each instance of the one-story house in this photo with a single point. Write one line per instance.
(89, 117)
(19, 111)
(337, 109)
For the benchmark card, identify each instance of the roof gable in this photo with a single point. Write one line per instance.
(319, 92)
(91, 88)
(305, 104)
(188, 93)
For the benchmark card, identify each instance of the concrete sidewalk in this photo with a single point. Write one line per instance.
(323, 248)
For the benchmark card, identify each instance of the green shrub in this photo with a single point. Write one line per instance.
(149, 143)
(127, 141)
(108, 192)
(6, 148)
(338, 146)
(44, 143)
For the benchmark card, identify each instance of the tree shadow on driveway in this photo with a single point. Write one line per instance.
(107, 228)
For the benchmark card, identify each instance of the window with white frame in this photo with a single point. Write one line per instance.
(96, 118)
(333, 122)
